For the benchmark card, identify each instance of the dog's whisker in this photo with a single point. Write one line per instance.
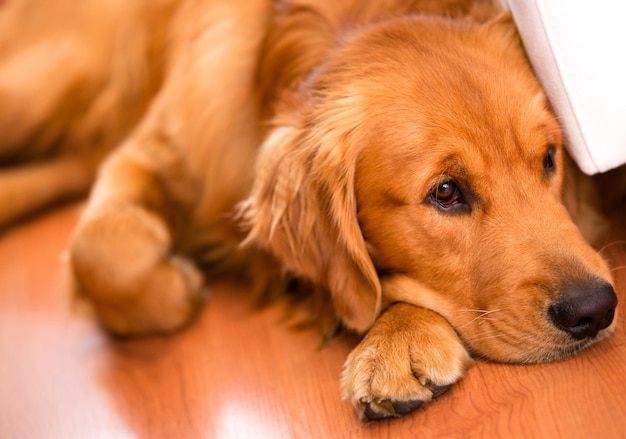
(486, 336)
(480, 319)
(611, 244)
(515, 339)
(619, 267)
(482, 316)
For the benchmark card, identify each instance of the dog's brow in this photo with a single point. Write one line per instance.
(453, 165)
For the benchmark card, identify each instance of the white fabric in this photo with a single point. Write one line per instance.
(578, 51)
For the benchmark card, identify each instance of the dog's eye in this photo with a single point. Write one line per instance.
(549, 164)
(448, 197)
(446, 192)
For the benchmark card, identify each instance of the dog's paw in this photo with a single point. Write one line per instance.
(123, 263)
(409, 357)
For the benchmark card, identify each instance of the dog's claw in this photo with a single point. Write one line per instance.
(440, 390)
(391, 409)
(373, 415)
(405, 407)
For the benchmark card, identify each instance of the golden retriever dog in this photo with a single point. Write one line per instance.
(397, 157)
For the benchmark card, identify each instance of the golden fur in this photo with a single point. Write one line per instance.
(397, 156)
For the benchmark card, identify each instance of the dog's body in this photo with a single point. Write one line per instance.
(405, 164)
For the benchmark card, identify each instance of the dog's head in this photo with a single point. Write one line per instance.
(423, 165)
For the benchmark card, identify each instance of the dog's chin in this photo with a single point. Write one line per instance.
(554, 347)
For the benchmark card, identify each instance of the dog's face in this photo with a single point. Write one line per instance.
(437, 167)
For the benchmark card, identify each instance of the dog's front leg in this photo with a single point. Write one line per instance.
(123, 254)
(410, 356)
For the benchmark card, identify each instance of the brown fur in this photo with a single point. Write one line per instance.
(320, 130)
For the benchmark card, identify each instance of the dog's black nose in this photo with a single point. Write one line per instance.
(585, 309)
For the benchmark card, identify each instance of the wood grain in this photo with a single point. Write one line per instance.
(242, 374)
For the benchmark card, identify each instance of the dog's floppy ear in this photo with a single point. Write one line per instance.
(303, 208)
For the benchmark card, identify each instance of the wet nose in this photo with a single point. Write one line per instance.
(585, 309)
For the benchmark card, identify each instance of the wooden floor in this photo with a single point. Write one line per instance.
(236, 374)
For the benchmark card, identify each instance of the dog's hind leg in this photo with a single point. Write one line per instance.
(43, 88)
(27, 189)
(75, 78)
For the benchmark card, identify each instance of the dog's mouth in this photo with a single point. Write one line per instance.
(568, 349)
(537, 350)
(508, 343)
(551, 324)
